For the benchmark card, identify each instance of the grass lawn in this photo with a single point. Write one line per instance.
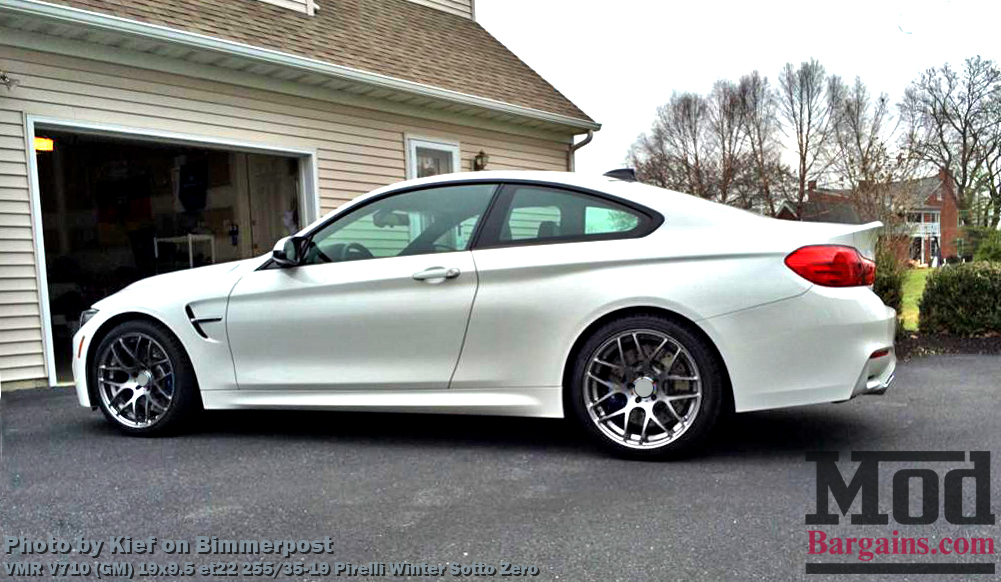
(914, 287)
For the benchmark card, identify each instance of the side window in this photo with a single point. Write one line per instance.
(431, 158)
(434, 220)
(538, 213)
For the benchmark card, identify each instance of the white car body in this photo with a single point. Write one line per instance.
(364, 335)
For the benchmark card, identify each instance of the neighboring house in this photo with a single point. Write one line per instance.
(149, 135)
(931, 221)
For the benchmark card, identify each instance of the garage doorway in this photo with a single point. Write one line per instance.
(116, 209)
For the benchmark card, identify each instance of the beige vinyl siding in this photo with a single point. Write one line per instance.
(304, 6)
(460, 7)
(21, 355)
(357, 150)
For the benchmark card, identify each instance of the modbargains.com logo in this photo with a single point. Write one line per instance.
(939, 494)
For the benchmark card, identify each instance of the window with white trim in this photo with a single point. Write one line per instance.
(305, 6)
(431, 158)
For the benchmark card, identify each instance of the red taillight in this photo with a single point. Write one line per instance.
(832, 266)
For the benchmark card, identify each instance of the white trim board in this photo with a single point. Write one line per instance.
(309, 192)
(413, 142)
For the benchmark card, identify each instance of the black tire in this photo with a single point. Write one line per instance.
(184, 399)
(710, 371)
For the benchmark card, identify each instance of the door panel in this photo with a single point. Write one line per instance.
(365, 324)
(381, 300)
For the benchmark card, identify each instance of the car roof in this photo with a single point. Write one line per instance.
(667, 202)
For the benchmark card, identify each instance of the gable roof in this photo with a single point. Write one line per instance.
(914, 194)
(394, 38)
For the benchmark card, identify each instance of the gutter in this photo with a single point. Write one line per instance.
(571, 155)
(69, 15)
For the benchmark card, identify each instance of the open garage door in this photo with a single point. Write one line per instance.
(117, 210)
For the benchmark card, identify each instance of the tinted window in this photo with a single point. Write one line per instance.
(435, 220)
(540, 213)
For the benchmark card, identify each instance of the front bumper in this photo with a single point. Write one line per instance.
(80, 365)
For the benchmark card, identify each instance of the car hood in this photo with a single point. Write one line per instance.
(183, 285)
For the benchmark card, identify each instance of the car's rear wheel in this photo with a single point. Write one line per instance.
(646, 387)
(143, 378)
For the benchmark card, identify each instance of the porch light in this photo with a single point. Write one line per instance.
(44, 144)
(480, 161)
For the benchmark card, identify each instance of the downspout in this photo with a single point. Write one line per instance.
(577, 146)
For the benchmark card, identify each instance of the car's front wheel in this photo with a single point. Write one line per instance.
(143, 378)
(646, 387)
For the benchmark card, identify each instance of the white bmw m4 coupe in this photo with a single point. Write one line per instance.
(644, 315)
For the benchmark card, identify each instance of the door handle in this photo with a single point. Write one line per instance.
(437, 273)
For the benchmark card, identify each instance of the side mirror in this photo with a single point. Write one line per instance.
(288, 251)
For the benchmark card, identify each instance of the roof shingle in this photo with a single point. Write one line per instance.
(396, 38)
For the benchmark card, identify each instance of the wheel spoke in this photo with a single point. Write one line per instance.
(680, 397)
(614, 414)
(670, 363)
(155, 406)
(118, 358)
(625, 421)
(622, 354)
(653, 354)
(602, 399)
(608, 364)
(639, 348)
(682, 378)
(121, 342)
(658, 422)
(646, 423)
(675, 414)
(604, 383)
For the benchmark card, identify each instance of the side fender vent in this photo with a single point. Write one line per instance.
(197, 322)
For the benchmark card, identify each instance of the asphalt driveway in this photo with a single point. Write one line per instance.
(443, 489)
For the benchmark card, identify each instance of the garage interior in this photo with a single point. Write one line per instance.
(117, 210)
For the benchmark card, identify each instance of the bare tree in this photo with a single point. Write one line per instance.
(989, 179)
(863, 158)
(677, 152)
(952, 123)
(805, 104)
(729, 138)
(760, 124)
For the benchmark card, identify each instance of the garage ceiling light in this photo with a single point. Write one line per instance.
(44, 144)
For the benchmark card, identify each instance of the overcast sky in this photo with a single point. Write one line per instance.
(619, 60)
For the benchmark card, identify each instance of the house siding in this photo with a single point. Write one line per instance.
(21, 354)
(357, 150)
(460, 7)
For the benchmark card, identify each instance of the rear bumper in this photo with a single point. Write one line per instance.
(877, 375)
(810, 349)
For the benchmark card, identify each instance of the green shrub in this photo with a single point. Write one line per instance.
(889, 284)
(989, 248)
(963, 300)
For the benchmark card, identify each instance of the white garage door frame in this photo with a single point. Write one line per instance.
(309, 192)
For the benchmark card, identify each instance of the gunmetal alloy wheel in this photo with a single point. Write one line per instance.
(643, 389)
(646, 386)
(136, 380)
(143, 378)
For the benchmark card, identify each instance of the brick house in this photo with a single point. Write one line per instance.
(931, 221)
